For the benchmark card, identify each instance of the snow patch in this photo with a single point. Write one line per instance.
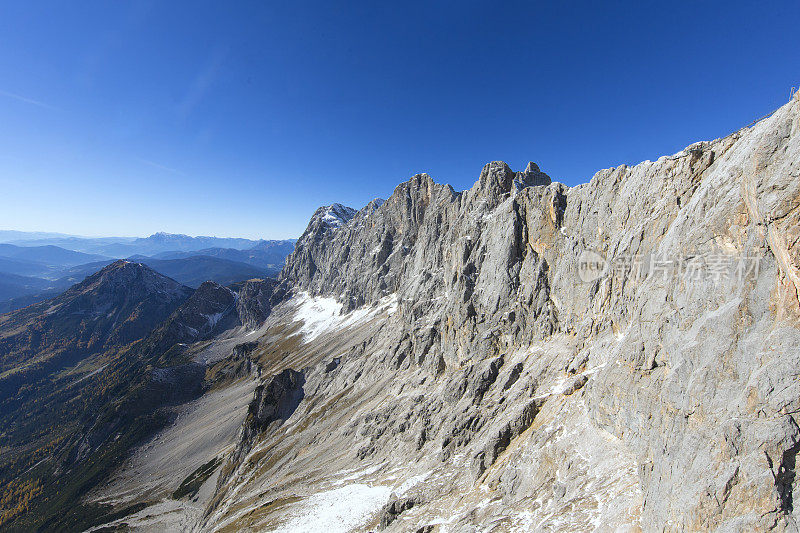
(321, 314)
(336, 511)
(359, 474)
(213, 319)
(332, 220)
(337, 215)
(393, 304)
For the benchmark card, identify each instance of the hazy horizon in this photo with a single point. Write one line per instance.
(55, 234)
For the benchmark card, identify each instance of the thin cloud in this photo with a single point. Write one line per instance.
(202, 82)
(161, 167)
(27, 100)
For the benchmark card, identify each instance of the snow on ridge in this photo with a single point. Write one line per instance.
(336, 215)
(332, 220)
(322, 314)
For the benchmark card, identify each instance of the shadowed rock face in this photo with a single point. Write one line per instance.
(277, 399)
(273, 401)
(692, 379)
(256, 298)
(213, 309)
(209, 310)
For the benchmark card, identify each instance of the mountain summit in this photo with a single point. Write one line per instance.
(115, 306)
(335, 215)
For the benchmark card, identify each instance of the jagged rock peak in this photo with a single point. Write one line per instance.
(420, 188)
(335, 215)
(532, 176)
(497, 177)
(373, 204)
(325, 222)
(417, 181)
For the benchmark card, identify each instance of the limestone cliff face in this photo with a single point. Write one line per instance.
(660, 393)
(470, 250)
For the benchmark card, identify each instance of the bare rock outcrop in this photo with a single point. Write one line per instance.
(255, 301)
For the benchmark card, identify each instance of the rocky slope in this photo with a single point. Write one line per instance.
(511, 387)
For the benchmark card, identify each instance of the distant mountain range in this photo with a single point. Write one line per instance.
(33, 268)
(265, 254)
(7, 235)
(194, 270)
(42, 261)
(120, 247)
(14, 286)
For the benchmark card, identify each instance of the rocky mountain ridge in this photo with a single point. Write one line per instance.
(520, 356)
(660, 394)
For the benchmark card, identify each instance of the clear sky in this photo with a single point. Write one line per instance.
(240, 118)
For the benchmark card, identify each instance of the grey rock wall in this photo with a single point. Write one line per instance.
(661, 394)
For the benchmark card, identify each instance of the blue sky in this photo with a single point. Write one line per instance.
(240, 118)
